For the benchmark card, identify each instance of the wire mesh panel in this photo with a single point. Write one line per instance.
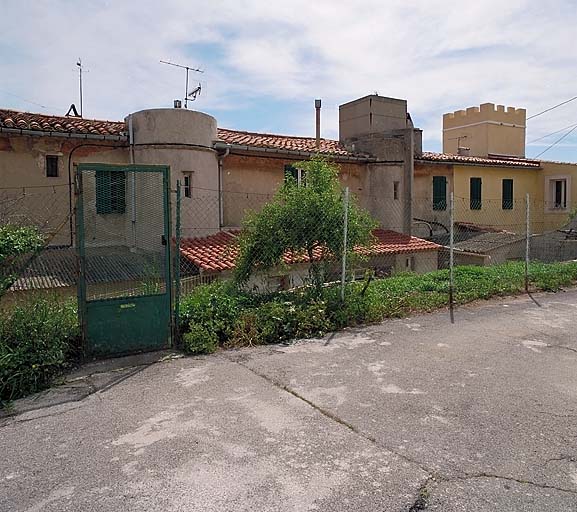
(124, 230)
(124, 234)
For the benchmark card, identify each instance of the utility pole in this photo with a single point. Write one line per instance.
(79, 64)
(192, 95)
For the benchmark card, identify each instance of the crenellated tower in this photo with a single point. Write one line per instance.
(484, 131)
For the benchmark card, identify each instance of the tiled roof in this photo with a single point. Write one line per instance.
(59, 124)
(218, 252)
(475, 160)
(286, 142)
(486, 242)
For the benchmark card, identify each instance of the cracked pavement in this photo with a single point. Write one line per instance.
(407, 415)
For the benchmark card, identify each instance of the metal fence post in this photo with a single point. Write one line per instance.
(345, 228)
(451, 255)
(177, 266)
(527, 241)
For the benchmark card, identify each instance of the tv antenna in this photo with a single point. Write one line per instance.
(192, 95)
(80, 68)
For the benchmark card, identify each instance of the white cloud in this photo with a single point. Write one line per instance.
(437, 54)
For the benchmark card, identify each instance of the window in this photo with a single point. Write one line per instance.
(396, 185)
(110, 192)
(439, 193)
(293, 174)
(507, 196)
(51, 166)
(559, 194)
(187, 185)
(475, 194)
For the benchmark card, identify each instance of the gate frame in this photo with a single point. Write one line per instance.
(81, 253)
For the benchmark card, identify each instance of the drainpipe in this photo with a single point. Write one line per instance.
(221, 157)
(133, 184)
(409, 171)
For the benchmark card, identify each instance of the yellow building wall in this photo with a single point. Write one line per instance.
(487, 129)
(491, 212)
(554, 218)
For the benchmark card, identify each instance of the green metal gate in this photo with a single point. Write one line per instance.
(123, 226)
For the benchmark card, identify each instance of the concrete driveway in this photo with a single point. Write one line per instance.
(412, 414)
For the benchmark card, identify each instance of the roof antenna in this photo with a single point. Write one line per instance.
(72, 112)
(80, 68)
(194, 93)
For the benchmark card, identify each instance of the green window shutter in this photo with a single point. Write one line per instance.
(290, 173)
(475, 194)
(110, 192)
(102, 192)
(439, 193)
(507, 197)
(118, 191)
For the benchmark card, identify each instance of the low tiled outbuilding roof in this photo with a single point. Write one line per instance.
(283, 142)
(428, 156)
(218, 252)
(60, 124)
(484, 243)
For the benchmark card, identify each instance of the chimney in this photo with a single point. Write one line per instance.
(318, 122)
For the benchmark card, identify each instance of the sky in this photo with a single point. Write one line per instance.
(265, 62)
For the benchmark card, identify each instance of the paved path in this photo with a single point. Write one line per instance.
(408, 415)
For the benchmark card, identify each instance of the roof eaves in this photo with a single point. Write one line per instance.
(65, 135)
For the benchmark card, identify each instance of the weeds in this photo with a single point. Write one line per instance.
(239, 318)
(37, 339)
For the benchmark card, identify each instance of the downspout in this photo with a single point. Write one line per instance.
(132, 185)
(221, 157)
(409, 172)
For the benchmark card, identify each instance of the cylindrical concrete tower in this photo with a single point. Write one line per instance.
(183, 140)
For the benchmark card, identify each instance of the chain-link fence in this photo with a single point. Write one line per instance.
(208, 225)
(37, 224)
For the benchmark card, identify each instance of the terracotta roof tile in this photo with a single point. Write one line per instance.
(48, 123)
(475, 160)
(286, 142)
(218, 252)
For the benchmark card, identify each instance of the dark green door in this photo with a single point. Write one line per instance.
(123, 225)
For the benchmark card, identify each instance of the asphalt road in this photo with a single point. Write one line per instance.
(408, 415)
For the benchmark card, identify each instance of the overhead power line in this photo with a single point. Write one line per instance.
(553, 108)
(557, 141)
(552, 133)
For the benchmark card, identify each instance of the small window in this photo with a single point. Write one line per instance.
(110, 192)
(559, 193)
(187, 185)
(51, 166)
(507, 196)
(396, 185)
(439, 193)
(475, 194)
(294, 175)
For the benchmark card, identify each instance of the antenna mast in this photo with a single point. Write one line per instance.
(193, 94)
(79, 64)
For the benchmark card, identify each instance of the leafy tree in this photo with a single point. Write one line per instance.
(15, 243)
(305, 221)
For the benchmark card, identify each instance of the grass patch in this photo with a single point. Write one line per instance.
(235, 318)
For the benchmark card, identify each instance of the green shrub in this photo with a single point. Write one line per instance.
(216, 307)
(15, 243)
(37, 340)
(200, 340)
